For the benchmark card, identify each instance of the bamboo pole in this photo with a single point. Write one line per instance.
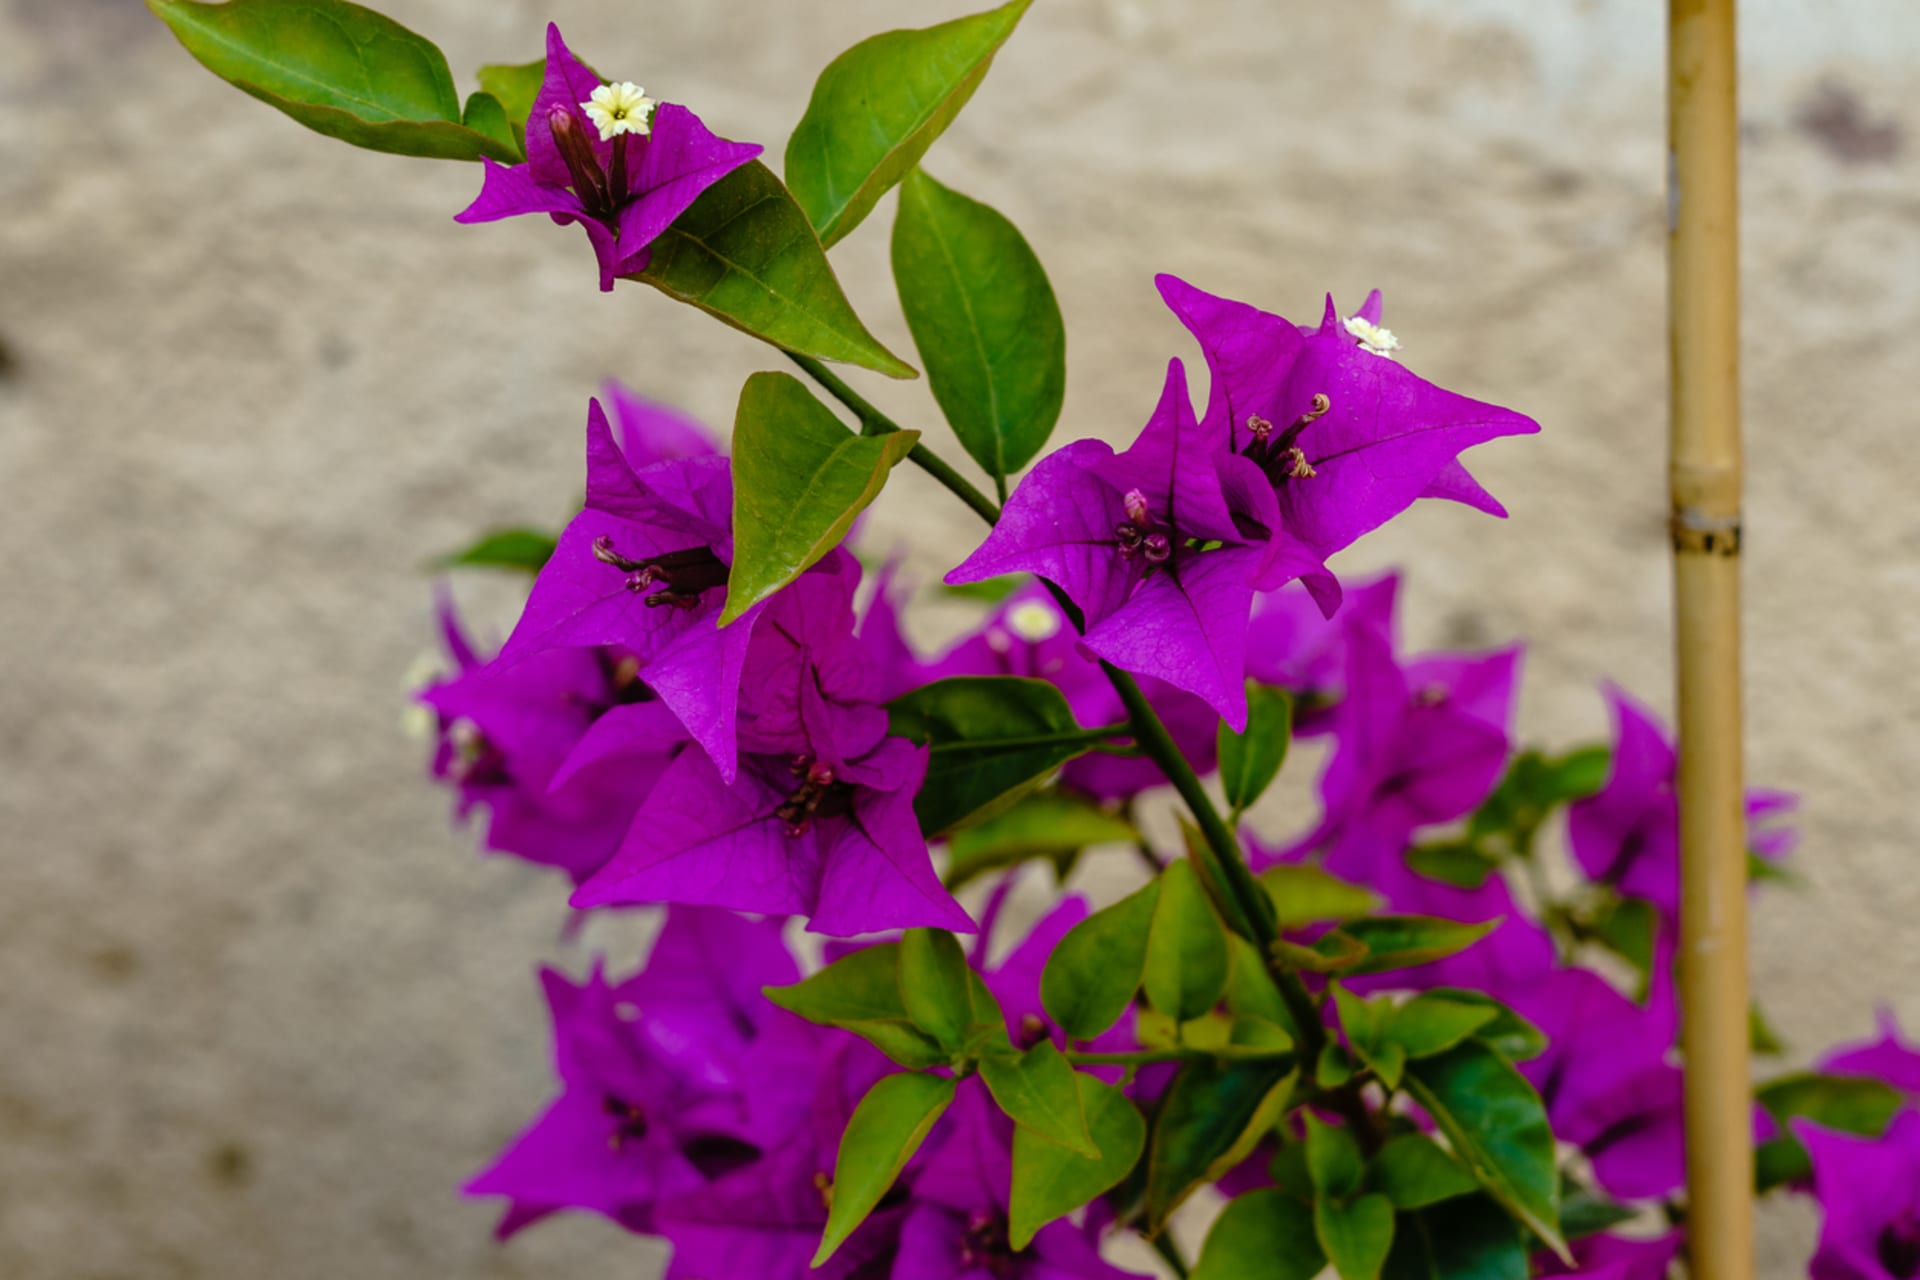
(1705, 474)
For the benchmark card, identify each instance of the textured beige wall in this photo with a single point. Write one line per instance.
(260, 1011)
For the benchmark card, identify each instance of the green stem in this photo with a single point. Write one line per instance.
(875, 423)
(1164, 1245)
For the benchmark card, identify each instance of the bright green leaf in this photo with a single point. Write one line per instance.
(1262, 1235)
(1251, 992)
(1304, 895)
(1413, 1172)
(1497, 1127)
(1212, 1116)
(860, 992)
(993, 738)
(1040, 1091)
(338, 69)
(984, 320)
(1050, 1181)
(1401, 942)
(1186, 970)
(1511, 1035)
(1428, 1024)
(799, 479)
(514, 86)
(1333, 1158)
(934, 985)
(1250, 761)
(878, 107)
(1456, 862)
(1860, 1105)
(744, 253)
(882, 1134)
(526, 550)
(1046, 824)
(1356, 1236)
(1095, 969)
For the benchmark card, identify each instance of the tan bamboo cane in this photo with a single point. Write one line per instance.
(1704, 319)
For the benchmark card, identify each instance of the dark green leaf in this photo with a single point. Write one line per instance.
(1094, 970)
(1511, 1035)
(1334, 1067)
(984, 320)
(1858, 1105)
(1626, 927)
(1497, 1127)
(1050, 1181)
(993, 737)
(1584, 1212)
(799, 479)
(1457, 862)
(1413, 1172)
(1305, 895)
(1355, 1237)
(882, 1134)
(1506, 823)
(1333, 1158)
(1250, 761)
(1764, 1039)
(341, 70)
(1040, 1091)
(526, 550)
(1186, 971)
(1428, 1024)
(935, 985)
(1263, 1235)
(744, 253)
(1213, 1115)
(1401, 942)
(861, 993)
(1046, 824)
(878, 107)
(1465, 1240)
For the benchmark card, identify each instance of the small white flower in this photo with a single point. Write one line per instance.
(620, 108)
(1379, 341)
(1033, 621)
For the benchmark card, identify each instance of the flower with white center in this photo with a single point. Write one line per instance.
(1373, 338)
(620, 108)
(1033, 621)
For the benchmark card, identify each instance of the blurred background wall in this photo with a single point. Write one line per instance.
(261, 1011)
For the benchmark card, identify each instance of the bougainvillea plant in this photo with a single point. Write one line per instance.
(1405, 1039)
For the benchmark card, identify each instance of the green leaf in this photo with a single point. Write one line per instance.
(1046, 824)
(1401, 942)
(1456, 862)
(1212, 1116)
(1094, 970)
(1627, 927)
(1761, 1036)
(744, 253)
(1511, 1035)
(878, 107)
(935, 985)
(1506, 823)
(987, 590)
(882, 1134)
(514, 86)
(1250, 761)
(1413, 1172)
(1427, 1024)
(1050, 1181)
(526, 550)
(1040, 1091)
(1186, 970)
(1584, 1212)
(1262, 1235)
(799, 479)
(1355, 1237)
(1304, 895)
(861, 993)
(1333, 1158)
(1859, 1105)
(1251, 992)
(1497, 1127)
(1467, 1240)
(1334, 1067)
(984, 320)
(993, 738)
(338, 69)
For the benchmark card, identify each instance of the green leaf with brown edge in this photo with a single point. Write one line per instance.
(1045, 824)
(877, 108)
(993, 738)
(1401, 942)
(860, 992)
(1860, 1105)
(1050, 1181)
(881, 1136)
(1262, 1235)
(1250, 761)
(1094, 970)
(935, 985)
(1413, 1171)
(800, 477)
(1213, 1115)
(984, 320)
(1186, 966)
(1497, 1127)
(744, 253)
(1355, 1235)
(1040, 1091)
(1510, 1035)
(339, 69)
(1470, 1239)
(1305, 895)
(524, 550)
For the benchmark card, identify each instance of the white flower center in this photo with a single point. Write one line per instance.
(1373, 338)
(1033, 621)
(620, 108)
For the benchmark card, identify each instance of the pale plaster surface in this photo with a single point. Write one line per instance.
(260, 1011)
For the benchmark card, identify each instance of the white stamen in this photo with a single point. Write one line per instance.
(1373, 338)
(1033, 621)
(620, 108)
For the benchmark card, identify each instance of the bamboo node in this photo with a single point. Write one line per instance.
(1696, 533)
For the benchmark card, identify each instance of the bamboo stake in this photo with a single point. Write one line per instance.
(1705, 473)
